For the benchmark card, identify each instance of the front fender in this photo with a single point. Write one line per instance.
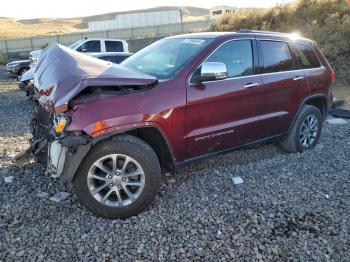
(80, 151)
(108, 132)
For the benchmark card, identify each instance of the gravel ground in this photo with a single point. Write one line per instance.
(290, 206)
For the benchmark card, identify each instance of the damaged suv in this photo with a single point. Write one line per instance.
(116, 128)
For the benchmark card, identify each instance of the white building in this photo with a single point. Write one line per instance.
(136, 20)
(148, 19)
(217, 12)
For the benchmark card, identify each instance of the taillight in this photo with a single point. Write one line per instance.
(333, 75)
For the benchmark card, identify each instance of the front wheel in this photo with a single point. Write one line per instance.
(305, 131)
(119, 178)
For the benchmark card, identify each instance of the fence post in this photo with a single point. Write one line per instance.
(107, 34)
(158, 30)
(7, 50)
(31, 43)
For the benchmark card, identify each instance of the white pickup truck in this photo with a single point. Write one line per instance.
(92, 46)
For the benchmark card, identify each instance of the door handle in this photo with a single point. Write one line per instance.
(298, 78)
(250, 85)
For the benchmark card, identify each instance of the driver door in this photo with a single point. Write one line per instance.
(222, 113)
(90, 46)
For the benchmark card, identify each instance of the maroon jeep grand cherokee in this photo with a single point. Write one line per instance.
(183, 98)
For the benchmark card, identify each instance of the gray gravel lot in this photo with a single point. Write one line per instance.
(290, 206)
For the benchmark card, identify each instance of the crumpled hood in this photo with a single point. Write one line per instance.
(62, 73)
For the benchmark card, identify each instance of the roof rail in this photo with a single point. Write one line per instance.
(244, 30)
(261, 32)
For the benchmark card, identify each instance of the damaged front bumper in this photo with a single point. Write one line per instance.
(65, 155)
(12, 71)
(62, 153)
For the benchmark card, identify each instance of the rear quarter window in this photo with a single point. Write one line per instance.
(276, 56)
(306, 57)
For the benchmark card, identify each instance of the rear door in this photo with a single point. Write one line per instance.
(222, 113)
(314, 71)
(283, 89)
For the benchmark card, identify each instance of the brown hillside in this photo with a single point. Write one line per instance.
(12, 28)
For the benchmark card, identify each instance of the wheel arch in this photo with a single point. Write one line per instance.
(149, 134)
(317, 100)
(320, 102)
(153, 136)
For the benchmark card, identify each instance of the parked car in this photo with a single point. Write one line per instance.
(116, 128)
(93, 46)
(26, 81)
(18, 68)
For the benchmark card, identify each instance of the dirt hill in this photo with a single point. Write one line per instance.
(12, 28)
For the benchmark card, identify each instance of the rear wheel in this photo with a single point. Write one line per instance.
(305, 131)
(119, 177)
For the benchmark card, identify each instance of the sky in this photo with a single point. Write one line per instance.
(75, 8)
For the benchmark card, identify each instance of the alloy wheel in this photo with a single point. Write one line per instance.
(116, 180)
(308, 131)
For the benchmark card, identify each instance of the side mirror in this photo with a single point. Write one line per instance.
(211, 71)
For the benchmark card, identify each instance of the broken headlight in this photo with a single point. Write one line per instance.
(61, 123)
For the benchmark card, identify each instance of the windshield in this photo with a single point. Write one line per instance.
(164, 58)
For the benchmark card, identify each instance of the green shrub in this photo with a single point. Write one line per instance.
(3, 58)
(325, 21)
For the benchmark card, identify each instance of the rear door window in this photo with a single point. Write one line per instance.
(306, 57)
(114, 46)
(276, 56)
(90, 46)
(237, 55)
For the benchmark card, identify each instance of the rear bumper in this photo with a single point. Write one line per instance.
(65, 156)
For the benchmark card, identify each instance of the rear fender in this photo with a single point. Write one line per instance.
(308, 99)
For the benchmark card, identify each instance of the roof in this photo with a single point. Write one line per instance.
(203, 35)
(242, 32)
(103, 39)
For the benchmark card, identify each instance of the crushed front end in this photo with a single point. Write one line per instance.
(65, 83)
(65, 149)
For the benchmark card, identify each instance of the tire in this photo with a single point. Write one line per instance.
(293, 141)
(145, 160)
